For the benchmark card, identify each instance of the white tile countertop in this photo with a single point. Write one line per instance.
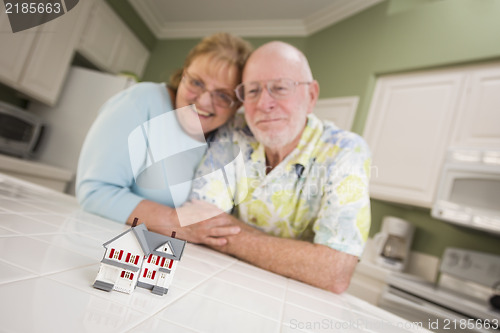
(50, 252)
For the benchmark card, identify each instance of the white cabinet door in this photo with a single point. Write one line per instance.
(408, 129)
(110, 45)
(101, 36)
(480, 122)
(51, 55)
(131, 55)
(340, 111)
(15, 50)
(35, 61)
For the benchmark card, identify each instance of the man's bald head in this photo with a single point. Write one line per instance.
(281, 54)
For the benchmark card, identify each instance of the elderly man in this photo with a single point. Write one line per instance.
(303, 189)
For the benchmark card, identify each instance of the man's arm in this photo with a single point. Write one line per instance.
(315, 264)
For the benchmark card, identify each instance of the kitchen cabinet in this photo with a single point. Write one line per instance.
(339, 110)
(35, 61)
(414, 118)
(408, 129)
(110, 45)
(38, 173)
(15, 50)
(478, 126)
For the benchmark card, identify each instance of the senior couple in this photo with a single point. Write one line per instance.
(303, 209)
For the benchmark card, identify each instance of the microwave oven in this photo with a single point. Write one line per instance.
(469, 189)
(20, 131)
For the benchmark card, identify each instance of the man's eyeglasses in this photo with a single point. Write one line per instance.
(278, 89)
(219, 98)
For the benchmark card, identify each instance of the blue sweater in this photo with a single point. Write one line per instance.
(136, 150)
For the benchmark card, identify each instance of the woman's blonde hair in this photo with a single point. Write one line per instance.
(224, 48)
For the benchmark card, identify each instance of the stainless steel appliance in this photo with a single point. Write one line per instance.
(20, 131)
(459, 302)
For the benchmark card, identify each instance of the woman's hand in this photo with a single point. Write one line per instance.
(204, 223)
(202, 228)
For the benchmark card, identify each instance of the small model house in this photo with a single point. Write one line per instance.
(139, 257)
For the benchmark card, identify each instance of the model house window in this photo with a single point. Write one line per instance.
(133, 259)
(154, 259)
(116, 254)
(127, 275)
(149, 274)
(168, 263)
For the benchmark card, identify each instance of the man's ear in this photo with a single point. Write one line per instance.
(313, 95)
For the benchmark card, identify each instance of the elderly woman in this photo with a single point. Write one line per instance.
(128, 166)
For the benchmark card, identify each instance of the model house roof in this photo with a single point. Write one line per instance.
(150, 242)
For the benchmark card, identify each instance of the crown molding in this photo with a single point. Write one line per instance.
(336, 13)
(252, 28)
(256, 28)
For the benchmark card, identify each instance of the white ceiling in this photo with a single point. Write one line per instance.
(249, 18)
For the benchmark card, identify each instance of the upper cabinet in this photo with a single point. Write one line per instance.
(414, 118)
(479, 126)
(339, 110)
(35, 62)
(110, 45)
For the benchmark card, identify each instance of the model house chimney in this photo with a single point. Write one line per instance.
(173, 234)
(135, 222)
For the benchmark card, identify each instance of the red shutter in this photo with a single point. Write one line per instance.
(145, 272)
(121, 254)
(162, 262)
(123, 274)
(149, 258)
(153, 276)
(131, 276)
(111, 253)
(128, 257)
(158, 260)
(136, 259)
(170, 265)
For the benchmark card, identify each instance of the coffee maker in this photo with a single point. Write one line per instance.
(393, 242)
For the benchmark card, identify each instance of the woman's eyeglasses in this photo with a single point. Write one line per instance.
(219, 98)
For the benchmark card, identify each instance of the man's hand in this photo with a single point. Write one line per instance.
(212, 232)
(231, 241)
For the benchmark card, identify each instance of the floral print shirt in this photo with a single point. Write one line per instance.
(318, 193)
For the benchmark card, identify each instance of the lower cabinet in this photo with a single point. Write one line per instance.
(41, 174)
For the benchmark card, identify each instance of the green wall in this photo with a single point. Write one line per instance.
(391, 37)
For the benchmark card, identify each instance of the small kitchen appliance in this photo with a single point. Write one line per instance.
(393, 243)
(469, 189)
(20, 131)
